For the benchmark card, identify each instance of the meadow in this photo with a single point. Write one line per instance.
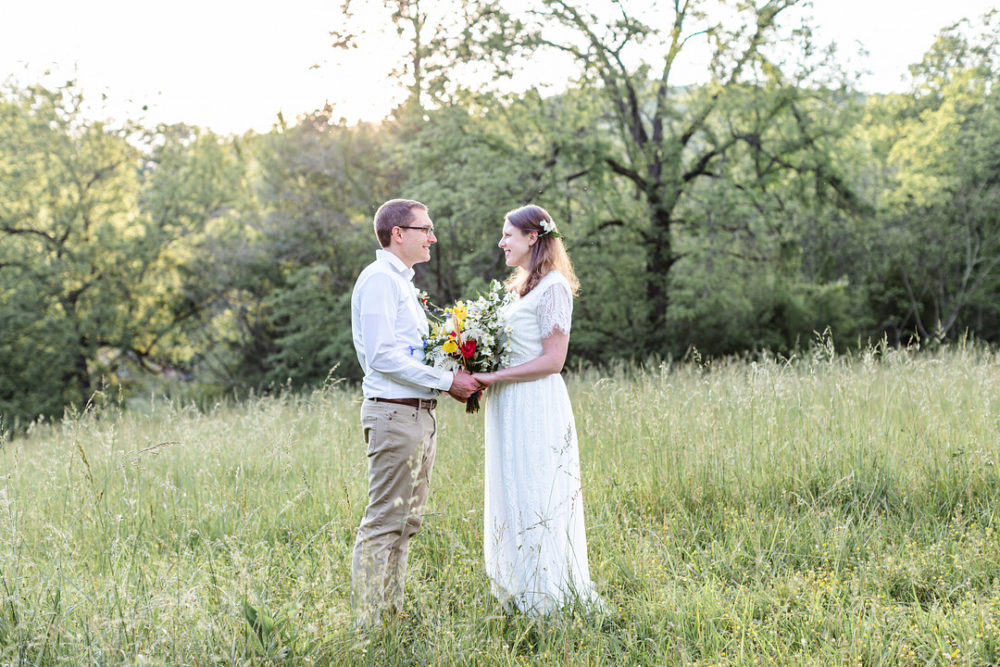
(824, 509)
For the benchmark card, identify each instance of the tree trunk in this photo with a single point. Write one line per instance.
(660, 259)
(78, 375)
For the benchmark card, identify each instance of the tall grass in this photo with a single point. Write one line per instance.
(821, 510)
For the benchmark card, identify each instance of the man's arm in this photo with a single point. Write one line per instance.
(382, 351)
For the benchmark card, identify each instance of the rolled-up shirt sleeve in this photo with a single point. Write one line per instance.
(383, 349)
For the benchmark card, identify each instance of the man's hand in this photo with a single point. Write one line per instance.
(463, 386)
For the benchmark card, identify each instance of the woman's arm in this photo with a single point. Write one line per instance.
(551, 361)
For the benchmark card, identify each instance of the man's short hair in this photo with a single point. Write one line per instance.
(394, 213)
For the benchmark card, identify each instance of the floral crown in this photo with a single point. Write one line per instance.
(549, 229)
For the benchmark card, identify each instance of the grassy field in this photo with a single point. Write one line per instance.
(823, 510)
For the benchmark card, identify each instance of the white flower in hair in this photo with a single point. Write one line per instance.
(549, 228)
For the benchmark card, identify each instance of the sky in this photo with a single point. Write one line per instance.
(233, 65)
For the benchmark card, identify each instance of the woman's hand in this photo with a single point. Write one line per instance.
(485, 379)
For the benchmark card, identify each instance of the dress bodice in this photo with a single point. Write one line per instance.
(531, 318)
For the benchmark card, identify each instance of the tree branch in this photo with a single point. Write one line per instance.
(701, 167)
(629, 173)
(765, 20)
(676, 44)
(20, 230)
(611, 69)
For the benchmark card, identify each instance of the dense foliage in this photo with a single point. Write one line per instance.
(743, 214)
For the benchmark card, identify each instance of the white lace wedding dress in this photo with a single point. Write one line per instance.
(535, 546)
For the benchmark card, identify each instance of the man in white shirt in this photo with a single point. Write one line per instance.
(397, 414)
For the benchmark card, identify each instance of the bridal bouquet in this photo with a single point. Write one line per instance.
(469, 335)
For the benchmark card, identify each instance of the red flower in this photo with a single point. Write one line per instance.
(468, 348)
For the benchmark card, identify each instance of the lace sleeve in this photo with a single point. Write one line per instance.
(555, 309)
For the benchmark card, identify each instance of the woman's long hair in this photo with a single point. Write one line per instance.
(547, 254)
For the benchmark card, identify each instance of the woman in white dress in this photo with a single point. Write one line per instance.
(535, 545)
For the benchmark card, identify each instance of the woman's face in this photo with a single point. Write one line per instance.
(516, 245)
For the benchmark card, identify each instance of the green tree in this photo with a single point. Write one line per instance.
(195, 192)
(447, 42)
(631, 161)
(276, 278)
(320, 188)
(83, 282)
(939, 149)
(767, 246)
(665, 140)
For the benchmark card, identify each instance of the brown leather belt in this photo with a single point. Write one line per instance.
(418, 403)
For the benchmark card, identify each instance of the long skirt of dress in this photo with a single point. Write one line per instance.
(535, 543)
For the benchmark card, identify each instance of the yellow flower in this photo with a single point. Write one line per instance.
(459, 312)
(449, 346)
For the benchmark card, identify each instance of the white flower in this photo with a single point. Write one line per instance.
(548, 226)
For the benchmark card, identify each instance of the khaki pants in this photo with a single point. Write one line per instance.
(401, 443)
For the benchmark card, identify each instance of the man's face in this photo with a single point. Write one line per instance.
(415, 244)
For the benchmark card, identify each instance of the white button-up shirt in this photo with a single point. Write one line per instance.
(389, 324)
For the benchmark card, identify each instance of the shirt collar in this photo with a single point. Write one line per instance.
(395, 262)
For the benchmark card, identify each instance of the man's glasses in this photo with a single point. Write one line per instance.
(426, 230)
